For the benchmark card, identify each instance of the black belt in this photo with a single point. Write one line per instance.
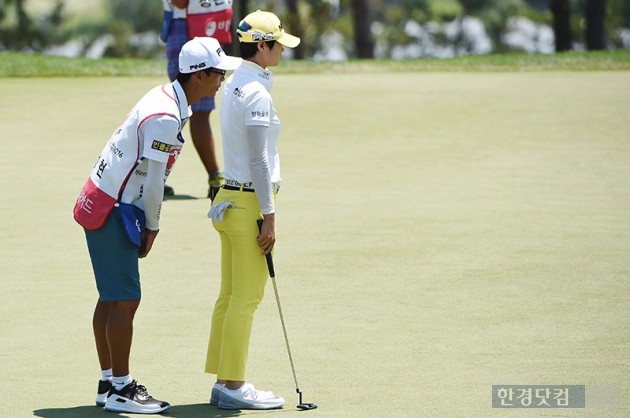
(244, 189)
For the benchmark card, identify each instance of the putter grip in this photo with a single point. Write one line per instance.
(272, 272)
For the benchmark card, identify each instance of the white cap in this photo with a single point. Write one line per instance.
(202, 53)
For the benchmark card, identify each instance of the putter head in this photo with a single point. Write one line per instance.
(306, 406)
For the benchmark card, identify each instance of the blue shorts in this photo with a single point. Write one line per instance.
(177, 37)
(114, 261)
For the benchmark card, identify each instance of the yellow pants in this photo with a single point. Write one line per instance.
(243, 278)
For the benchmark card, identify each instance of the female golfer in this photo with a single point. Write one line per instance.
(250, 132)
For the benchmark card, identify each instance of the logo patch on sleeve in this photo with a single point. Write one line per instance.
(161, 146)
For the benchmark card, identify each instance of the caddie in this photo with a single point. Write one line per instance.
(119, 209)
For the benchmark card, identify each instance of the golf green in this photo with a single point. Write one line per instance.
(438, 233)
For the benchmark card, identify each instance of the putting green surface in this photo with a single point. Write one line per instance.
(438, 233)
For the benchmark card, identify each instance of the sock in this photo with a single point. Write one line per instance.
(120, 382)
(106, 375)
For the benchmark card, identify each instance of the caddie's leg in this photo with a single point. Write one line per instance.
(119, 334)
(115, 264)
(99, 324)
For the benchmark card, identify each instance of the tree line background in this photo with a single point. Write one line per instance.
(590, 24)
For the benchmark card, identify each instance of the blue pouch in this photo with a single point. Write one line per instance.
(166, 25)
(134, 222)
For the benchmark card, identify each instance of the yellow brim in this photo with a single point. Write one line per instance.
(289, 41)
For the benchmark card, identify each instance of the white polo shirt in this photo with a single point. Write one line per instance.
(151, 131)
(246, 100)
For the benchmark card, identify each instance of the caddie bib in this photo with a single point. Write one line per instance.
(210, 18)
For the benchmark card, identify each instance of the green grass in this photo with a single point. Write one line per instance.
(32, 65)
(438, 233)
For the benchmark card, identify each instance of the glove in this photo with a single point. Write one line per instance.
(217, 211)
(215, 182)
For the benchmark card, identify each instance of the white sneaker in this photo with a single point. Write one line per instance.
(219, 388)
(215, 395)
(103, 390)
(247, 397)
(135, 399)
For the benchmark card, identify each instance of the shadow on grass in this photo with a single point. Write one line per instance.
(181, 197)
(205, 410)
(177, 411)
(73, 412)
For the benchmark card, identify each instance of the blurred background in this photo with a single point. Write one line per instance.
(331, 30)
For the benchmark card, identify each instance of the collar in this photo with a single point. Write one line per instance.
(182, 102)
(262, 75)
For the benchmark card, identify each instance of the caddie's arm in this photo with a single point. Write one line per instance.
(158, 133)
(153, 193)
(146, 242)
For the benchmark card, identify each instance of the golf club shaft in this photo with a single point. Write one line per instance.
(284, 330)
(272, 273)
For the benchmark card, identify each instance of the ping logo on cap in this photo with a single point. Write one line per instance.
(198, 66)
(257, 36)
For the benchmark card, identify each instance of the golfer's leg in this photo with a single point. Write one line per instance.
(119, 334)
(99, 324)
(218, 315)
(249, 277)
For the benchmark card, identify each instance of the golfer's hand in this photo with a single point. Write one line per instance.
(146, 242)
(267, 237)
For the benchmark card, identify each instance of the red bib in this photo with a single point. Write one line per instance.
(210, 18)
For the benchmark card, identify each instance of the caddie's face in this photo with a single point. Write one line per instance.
(211, 83)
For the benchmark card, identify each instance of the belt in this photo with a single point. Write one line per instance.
(242, 189)
(245, 187)
(235, 185)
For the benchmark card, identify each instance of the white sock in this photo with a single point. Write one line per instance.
(106, 375)
(120, 382)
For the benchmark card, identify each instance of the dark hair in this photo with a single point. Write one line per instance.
(249, 49)
(184, 77)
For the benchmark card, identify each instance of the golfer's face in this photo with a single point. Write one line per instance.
(275, 54)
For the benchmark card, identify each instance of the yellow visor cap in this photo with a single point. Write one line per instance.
(264, 26)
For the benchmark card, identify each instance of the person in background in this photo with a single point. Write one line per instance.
(250, 130)
(183, 20)
(119, 209)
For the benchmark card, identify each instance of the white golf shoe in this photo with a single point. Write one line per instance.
(248, 397)
(215, 395)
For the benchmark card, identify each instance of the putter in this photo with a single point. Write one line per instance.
(302, 405)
